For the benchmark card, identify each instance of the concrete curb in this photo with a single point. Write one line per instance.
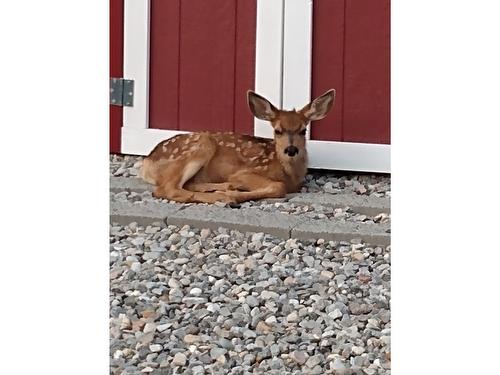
(247, 220)
(117, 184)
(376, 234)
(366, 205)
(244, 220)
(144, 214)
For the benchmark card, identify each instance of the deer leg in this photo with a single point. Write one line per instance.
(210, 187)
(258, 187)
(187, 196)
(173, 188)
(172, 192)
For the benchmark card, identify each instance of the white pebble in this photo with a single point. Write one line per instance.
(155, 348)
(149, 327)
(195, 291)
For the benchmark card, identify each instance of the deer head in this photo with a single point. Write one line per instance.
(290, 126)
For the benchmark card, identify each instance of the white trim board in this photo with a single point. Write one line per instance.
(142, 141)
(360, 157)
(347, 156)
(136, 61)
(297, 36)
(268, 57)
(297, 53)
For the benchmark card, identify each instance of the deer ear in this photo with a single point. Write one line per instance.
(261, 107)
(319, 107)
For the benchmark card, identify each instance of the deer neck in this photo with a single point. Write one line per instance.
(295, 170)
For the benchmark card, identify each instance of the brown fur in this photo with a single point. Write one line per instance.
(209, 167)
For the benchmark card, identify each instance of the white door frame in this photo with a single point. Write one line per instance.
(281, 74)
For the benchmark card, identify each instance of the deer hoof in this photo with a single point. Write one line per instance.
(158, 193)
(225, 197)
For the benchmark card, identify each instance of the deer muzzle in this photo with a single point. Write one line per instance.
(291, 151)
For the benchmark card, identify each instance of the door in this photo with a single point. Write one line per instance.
(349, 50)
(201, 62)
(193, 61)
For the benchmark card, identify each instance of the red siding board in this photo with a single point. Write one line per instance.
(367, 72)
(115, 70)
(207, 65)
(328, 64)
(202, 62)
(246, 11)
(351, 53)
(164, 64)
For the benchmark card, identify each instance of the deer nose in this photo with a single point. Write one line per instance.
(291, 150)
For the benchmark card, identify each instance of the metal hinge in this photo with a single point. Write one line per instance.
(121, 92)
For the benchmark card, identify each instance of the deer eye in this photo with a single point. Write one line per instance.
(303, 132)
(278, 132)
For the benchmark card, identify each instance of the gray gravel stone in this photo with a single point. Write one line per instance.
(217, 352)
(198, 370)
(249, 334)
(179, 359)
(314, 360)
(338, 365)
(266, 294)
(308, 260)
(181, 260)
(190, 339)
(335, 314)
(299, 356)
(269, 258)
(292, 317)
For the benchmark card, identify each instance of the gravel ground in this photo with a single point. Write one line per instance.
(185, 301)
(316, 181)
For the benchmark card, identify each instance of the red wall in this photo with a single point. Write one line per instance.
(202, 63)
(351, 53)
(115, 69)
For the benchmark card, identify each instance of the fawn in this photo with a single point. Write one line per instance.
(208, 167)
